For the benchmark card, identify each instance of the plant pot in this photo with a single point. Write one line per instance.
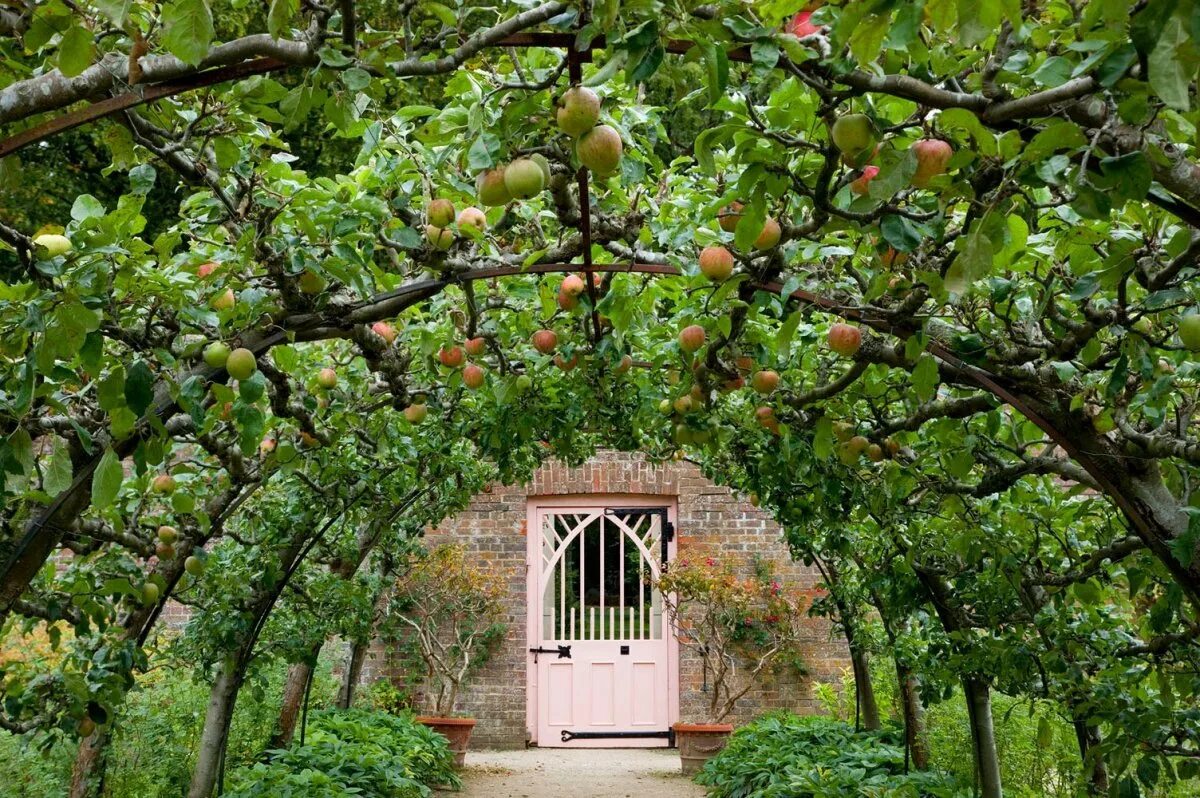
(457, 732)
(700, 742)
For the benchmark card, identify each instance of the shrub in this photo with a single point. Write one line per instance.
(784, 756)
(353, 752)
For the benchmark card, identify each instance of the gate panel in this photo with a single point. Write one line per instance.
(590, 584)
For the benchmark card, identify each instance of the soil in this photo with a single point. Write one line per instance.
(580, 773)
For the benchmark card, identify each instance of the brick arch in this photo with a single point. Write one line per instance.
(610, 472)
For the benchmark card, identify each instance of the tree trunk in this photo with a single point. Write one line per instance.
(354, 666)
(294, 689)
(1088, 738)
(914, 717)
(215, 736)
(983, 736)
(87, 776)
(864, 689)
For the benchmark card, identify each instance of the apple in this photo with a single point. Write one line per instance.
(267, 446)
(440, 213)
(875, 453)
(766, 418)
(439, 237)
(54, 244)
(545, 341)
(543, 164)
(473, 376)
(524, 178)
(932, 157)
(764, 382)
(150, 593)
(892, 447)
(168, 534)
(415, 413)
(858, 444)
(572, 285)
(309, 441)
(472, 217)
(890, 257)
(327, 378)
(207, 269)
(691, 338)
(489, 185)
(854, 136)
(664, 407)
(241, 364)
(1189, 331)
(744, 363)
(683, 405)
(844, 339)
(567, 302)
(578, 111)
(842, 431)
(716, 263)
(770, 235)
(523, 383)
(801, 27)
(600, 150)
(567, 365)
(215, 354)
(625, 363)
(451, 356)
(225, 300)
(729, 216)
(384, 331)
(194, 565)
(861, 184)
(164, 551)
(475, 346)
(163, 483)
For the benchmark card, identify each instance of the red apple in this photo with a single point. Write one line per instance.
(716, 263)
(844, 339)
(475, 346)
(770, 235)
(384, 331)
(567, 365)
(327, 379)
(545, 341)
(691, 338)
(729, 216)
(932, 157)
(473, 376)
(801, 27)
(415, 413)
(205, 270)
(163, 483)
(451, 356)
(861, 184)
(567, 301)
(572, 285)
(764, 382)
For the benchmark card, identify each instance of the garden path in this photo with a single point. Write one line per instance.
(594, 773)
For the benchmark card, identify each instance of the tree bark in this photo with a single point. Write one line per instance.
(298, 676)
(215, 736)
(354, 666)
(864, 689)
(983, 736)
(1088, 737)
(87, 775)
(914, 717)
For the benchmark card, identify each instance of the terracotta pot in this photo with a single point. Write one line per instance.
(700, 742)
(457, 732)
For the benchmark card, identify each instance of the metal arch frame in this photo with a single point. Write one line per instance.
(981, 378)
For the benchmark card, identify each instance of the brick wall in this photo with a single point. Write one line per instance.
(709, 516)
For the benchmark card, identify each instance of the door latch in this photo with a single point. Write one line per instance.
(563, 652)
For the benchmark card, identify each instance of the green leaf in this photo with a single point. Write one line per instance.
(106, 480)
(1168, 77)
(139, 387)
(716, 64)
(925, 378)
(115, 10)
(783, 339)
(280, 16)
(56, 477)
(187, 30)
(75, 51)
(483, 152)
(974, 260)
(1114, 66)
(902, 234)
(1129, 176)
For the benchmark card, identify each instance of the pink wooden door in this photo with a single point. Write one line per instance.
(603, 672)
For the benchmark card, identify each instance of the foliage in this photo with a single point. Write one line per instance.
(785, 756)
(353, 752)
(446, 616)
(741, 628)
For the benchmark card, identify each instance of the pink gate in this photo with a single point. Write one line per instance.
(602, 654)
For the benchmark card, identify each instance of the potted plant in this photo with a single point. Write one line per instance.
(445, 616)
(741, 629)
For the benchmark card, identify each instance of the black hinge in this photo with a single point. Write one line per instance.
(668, 531)
(563, 652)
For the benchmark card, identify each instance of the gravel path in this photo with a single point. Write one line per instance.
(579, 773)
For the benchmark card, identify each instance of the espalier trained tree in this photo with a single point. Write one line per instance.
(919, 275)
